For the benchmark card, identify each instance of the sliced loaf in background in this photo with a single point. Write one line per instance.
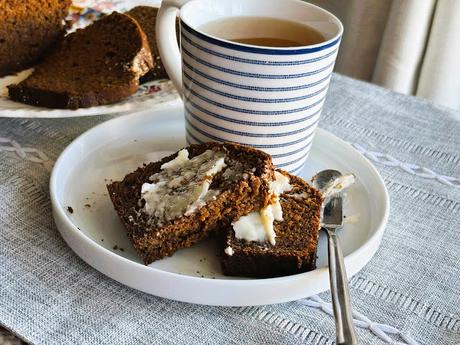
(97, 65)
(28, 30)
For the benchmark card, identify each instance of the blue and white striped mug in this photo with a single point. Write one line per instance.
(266, 97)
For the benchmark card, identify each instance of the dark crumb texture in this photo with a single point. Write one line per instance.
(97, 65)
(28, 30)
(296, 238)
(236, 198)
(69, 209)
(146, 17)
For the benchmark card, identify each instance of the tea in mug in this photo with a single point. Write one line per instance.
(263, 31)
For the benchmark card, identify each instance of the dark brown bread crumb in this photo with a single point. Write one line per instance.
(69, 209)
(146, 17)
(296, 238)
(236, 198)
(28, 29)
(97, 65)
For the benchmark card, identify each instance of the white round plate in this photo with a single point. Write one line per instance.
(114, 148)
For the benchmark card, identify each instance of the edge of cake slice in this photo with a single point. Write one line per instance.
(146, 17)
(178, 201)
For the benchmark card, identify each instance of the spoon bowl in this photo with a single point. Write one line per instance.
(324, 178)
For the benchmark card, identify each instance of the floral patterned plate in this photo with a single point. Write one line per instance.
(82, 13)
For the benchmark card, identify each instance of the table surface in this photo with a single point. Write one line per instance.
(408, 293)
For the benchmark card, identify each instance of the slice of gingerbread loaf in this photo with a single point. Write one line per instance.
(280, 239)
(28, 30)
(97, 65)
(178, 201)
(146, 17)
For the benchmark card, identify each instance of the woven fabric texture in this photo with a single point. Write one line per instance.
(50, 296)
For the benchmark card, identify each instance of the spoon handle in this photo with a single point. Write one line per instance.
(346, 334)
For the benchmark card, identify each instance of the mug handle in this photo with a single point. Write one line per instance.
(165, 29)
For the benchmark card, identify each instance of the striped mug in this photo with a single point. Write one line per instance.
(266, 97)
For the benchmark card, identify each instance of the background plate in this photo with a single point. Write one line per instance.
(94, 232)
(83, 13)
(147, 96)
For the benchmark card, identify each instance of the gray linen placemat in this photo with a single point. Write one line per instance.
(50, 296)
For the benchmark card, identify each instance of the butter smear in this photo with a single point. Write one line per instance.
(182, 186)
(258, 226)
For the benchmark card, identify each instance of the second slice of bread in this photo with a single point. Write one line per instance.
(296, 238)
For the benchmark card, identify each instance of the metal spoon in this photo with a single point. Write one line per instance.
(332, 221)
